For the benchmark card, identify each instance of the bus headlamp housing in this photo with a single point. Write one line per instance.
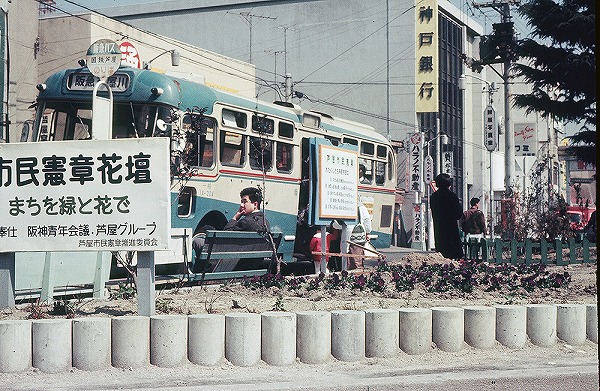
(156, 91)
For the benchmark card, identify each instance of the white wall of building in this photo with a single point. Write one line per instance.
(22, 58)
(59, 53)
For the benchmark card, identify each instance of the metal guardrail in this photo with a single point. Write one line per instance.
(529, 251)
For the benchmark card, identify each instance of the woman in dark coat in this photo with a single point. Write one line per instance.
(446, 210)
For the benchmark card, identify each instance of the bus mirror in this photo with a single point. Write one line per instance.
(25, 131)
(161, 125)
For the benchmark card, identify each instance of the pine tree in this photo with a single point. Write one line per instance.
(559, 58)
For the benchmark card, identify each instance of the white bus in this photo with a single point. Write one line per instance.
(220, 144)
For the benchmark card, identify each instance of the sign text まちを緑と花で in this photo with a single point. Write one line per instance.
(49, 195)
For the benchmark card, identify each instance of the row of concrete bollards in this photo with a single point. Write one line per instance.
(278, 338)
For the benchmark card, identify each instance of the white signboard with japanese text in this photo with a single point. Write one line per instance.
(525, 139)
(448, 163)
(100, 195)
(338, 183)
(415, 154)
(490, 128)
(428, 169)
(418, 216)
(103, 58)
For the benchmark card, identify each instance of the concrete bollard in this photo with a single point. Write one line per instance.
(415, 330)
(242, 338)
(541, 324)
(480, 326)
(591, 322)
(15, 346)
(448, 328)
(382, 328)
(130, 343)
(571, 323)
(348, 335)
(91, 343)
(51, 342)
(511, 325)
(168, 340)
(278, 337)
(206, 339)
(313, 336)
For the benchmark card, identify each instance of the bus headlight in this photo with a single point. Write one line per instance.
(41, 87)
(156, 91)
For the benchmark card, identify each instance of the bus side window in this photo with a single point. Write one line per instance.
(233, 149)
(261, 154)
(185, 202)
(380, 173)
(284, 157)
(368, 166)
(208, 158)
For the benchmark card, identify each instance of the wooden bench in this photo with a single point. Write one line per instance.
(225, 251)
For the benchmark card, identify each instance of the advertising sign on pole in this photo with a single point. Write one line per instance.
(109, 195)
(448, 163)
(525, 139)
(418, 216)
(129, 55)
(428, 169)
(490, 128)
(415, 162)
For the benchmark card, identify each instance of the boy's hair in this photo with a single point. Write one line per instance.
(254, 194)
(474, 201)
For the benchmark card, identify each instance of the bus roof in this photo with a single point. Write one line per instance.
(137, 86)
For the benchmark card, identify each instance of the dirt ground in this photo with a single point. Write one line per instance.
(233, 297)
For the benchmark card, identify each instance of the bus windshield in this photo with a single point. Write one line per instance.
(73, 121)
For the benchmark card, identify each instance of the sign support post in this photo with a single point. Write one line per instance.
(145, 283)
(7, 280)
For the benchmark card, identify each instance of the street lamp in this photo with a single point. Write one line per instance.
(174, 59)
(490, 131)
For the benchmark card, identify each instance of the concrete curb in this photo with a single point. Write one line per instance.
(278, 338)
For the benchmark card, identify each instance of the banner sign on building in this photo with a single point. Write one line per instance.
(525, 139)
(101, 195)
(448, 163)
(334, 184)
(415, 159)
(426, 44)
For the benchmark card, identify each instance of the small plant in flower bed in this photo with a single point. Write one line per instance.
(436, 277)
(466, 276)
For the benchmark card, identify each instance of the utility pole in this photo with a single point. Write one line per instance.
(248, 17)
(505, 37)
(285, 30)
